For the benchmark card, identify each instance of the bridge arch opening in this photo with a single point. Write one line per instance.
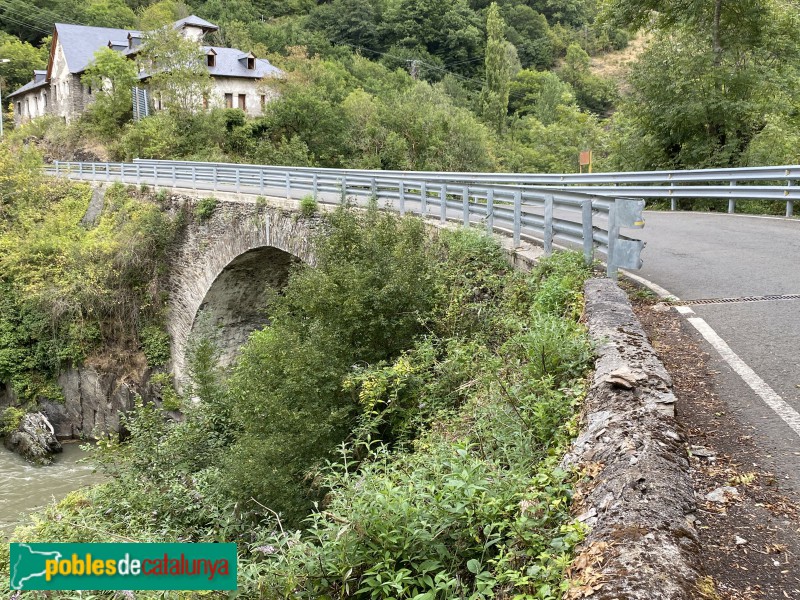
(236, 303)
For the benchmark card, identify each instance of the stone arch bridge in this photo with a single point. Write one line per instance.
(224, 268)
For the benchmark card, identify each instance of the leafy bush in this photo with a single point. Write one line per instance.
(308, 206)
(10, 420)
(205, 207)
(395, 432)
(66, 291)
(155, 345)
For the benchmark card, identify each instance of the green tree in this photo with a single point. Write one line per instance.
(540, 93)
(498, 71)
(112, 76)
(177, 69)
(162, 13)
(446, 29)
(23, 59)
(352, 22)
(530, 34)
(110, 13)
(710, 79)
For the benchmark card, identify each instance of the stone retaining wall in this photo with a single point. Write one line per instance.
(638, 499)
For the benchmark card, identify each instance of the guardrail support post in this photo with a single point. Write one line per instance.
(588, 231)
(613, 236)
(215, 176)
(490, 210)
(108, 171)
(138, 173)
(194, 177)
(401, 192)
(443, 202)
(288, 186)
(80, 170)
(344, 189)
(314, 187)
(732, 201)
(373, 189)
(261, 181)
(465, 205)
(790, 203)
(548, 225)
(55, 163)
(517, 216)
(423, 198)
(238, 180)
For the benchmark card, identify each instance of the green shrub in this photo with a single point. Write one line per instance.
(308, 206)
(170, 400)
(155, 345)
(204, 209)
(394, 432)
(11, 419)
(67, 291)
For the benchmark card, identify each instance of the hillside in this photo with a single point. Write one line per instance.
(368, 77)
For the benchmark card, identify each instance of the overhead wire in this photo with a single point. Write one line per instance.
(27, 18)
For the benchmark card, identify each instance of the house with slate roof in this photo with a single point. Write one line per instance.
(238, 78)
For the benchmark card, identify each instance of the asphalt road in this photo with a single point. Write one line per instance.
(713, 256)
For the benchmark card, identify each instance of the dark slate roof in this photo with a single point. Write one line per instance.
(195, 21)
(31, 85)
(80, 42)
(229, 65)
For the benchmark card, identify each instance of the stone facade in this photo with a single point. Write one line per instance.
(227, 93)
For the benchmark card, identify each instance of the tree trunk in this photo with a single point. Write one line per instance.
(715, 34)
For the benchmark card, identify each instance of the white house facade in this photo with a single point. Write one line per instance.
(239, 79)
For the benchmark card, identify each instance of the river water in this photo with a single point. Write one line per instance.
(24, 487)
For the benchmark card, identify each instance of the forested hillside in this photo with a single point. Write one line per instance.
(442, 84)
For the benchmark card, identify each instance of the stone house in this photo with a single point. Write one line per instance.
(238, 78)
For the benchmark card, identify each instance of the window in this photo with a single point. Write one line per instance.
(44, 97)
(228, 100)
(242, 101)
(211, 59)
(263, 100)
(251, 63)
(19, 108)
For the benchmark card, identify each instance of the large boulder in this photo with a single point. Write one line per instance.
(34, 439)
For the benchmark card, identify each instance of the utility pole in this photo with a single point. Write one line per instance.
(2, 60)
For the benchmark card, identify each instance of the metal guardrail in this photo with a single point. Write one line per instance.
(587, 220)
(670, 185)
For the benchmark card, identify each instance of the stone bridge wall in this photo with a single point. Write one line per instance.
(207, 248)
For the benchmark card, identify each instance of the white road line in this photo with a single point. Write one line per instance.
(660, 291)
(789, 415)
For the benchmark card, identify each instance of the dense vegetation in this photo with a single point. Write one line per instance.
(70, 289)
(509, 87)
(395, 432)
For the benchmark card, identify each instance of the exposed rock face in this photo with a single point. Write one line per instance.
(93, 403)
(34, 439)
